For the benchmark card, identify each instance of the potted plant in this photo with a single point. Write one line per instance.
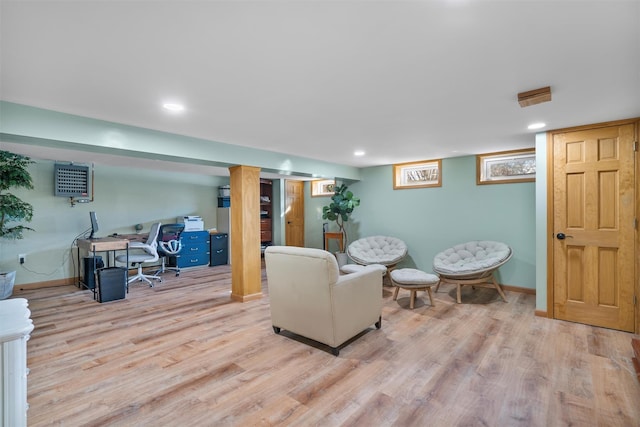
(343, 202)
(13, 174)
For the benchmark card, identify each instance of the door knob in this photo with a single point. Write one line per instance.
(562, 236)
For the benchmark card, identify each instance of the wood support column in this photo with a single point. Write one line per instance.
(245, 232)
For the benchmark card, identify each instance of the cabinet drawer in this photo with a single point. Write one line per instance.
(193, 260)
(265, 236)
(219, 241)
(221, 251)
(265, 224)
(200, 248)
(219, 257)
(194, 237)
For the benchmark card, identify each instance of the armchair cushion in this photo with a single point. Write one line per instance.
(354, 268)
(309, 297)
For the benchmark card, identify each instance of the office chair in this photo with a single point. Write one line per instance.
(169, 244)
(149, 254)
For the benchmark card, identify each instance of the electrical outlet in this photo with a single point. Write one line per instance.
(22, 258)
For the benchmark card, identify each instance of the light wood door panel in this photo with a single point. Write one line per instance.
(294, 213)
(594, 206)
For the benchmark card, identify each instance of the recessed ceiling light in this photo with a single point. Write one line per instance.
(173, 106)
(358, 153)
(536, 126)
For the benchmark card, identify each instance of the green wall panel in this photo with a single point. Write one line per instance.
(123, 197)
(432, 219)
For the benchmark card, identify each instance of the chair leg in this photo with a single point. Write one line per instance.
(164, 268)
(152, 276)
(412, 299)
(144, 279)
(481, 282)
(430, 296)
(395, 293)
(136, 276)
(498, 288)
(140, 276)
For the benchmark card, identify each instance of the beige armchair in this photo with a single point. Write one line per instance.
(310, 298)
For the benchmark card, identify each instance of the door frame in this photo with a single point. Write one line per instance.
(550, 211)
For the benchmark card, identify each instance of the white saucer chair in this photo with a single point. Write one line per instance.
(381, 250)
(472, 263)
(144, 253)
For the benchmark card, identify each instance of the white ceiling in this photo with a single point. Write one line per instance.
(401, 80)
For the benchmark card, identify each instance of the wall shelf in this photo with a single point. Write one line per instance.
(266, 212)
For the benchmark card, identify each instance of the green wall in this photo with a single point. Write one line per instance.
(313, 218)
(428, 219)
(432, 219)
(36, 126)
(122, 197)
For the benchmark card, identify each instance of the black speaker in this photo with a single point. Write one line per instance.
(112, 284)
(91, 264)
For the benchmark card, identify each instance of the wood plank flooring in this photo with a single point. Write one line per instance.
(183, 354)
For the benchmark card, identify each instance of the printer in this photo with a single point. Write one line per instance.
(191, 223)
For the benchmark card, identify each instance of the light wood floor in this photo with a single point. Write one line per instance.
(183, 354)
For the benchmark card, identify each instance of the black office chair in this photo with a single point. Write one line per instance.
(169, 245)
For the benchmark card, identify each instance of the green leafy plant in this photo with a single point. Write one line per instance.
(343, 202)
(14, 174)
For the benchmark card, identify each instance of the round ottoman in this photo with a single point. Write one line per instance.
(413, 280)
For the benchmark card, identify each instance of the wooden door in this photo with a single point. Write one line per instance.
(294, 213)
(594, 226)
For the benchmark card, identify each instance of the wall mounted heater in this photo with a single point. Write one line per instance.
(73, 181)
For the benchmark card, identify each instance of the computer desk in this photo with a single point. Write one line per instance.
(102, 244)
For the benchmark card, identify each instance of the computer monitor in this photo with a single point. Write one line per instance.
(94, 224)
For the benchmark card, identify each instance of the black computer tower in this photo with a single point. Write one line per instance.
(112, 284)
(91, 264)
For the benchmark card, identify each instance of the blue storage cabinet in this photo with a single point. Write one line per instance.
(195, 249)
